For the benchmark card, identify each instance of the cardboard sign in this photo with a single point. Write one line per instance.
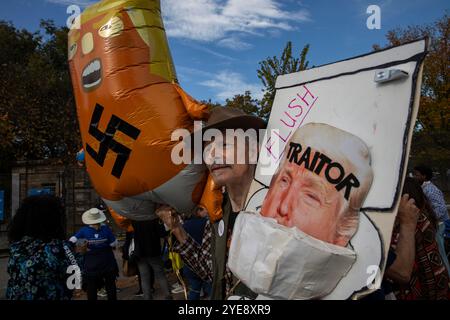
(334, 156)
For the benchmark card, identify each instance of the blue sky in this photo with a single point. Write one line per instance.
(217, 44)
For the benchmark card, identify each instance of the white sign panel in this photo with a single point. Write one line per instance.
(334, 157)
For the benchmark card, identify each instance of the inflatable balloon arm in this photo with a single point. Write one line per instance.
(196, 110)
(121, 221)
(212, 200)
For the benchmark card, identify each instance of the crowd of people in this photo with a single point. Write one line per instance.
(41, 254)
(417, 262)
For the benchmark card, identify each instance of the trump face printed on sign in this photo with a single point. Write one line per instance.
(298, 247)
(321, 183)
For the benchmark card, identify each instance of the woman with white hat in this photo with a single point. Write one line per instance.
(100, 266)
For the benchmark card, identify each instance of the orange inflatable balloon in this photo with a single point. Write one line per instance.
(128, 105)
(121, 221)
(212, 200)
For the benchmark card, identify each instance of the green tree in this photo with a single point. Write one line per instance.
(36, 94)
(272, 67)
(211, 105)
(431, 143)
(6, 147)
(245, 102)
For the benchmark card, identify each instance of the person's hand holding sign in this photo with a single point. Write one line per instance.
(408, 213)
(401, 269)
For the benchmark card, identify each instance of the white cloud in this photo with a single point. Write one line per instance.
(195, 72)
(219, 20)
(226, 84)
(211, 52)
(234, 43)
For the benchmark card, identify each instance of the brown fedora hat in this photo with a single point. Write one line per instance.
(232, 118)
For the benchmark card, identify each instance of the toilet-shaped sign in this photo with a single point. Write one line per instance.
(322, 206)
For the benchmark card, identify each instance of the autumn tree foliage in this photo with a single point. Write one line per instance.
(431, 140)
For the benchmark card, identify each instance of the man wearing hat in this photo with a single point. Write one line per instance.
(229, 161)
(100, 266)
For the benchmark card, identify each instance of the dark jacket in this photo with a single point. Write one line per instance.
(147, 241)
(219, 250)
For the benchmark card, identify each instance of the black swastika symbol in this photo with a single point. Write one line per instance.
(107, 141)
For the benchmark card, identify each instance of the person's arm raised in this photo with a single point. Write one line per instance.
(172, 221)
(197, 257)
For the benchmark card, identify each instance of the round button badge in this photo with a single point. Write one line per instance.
(221, 228)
